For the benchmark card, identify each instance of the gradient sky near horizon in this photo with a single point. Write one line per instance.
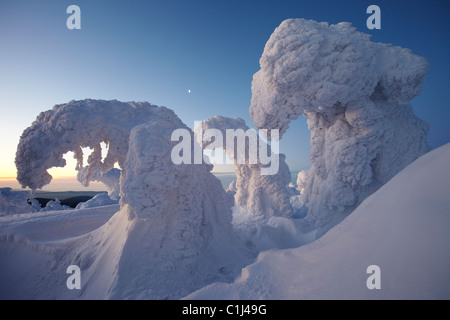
(158, 50)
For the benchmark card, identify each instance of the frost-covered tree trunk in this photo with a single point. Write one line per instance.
(181, 231)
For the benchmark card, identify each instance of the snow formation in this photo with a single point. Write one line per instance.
(177, 231)
(181, 232)
(173, 233)
(13, 202)
(78, 124)
(54, 205)
(355, 95)
(262, 196)
(99, 200)
(402, 228)
(111, 179)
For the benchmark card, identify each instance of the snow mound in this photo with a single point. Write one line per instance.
(262, 196)
(13, 202)
(355, 95)
(100, 200)
(402, 228)
(54, 205)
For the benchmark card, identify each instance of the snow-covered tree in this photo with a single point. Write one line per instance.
(355, 95)
(173, 233)
(75, 125)
(261, 195)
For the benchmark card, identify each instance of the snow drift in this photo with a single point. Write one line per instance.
(402, 228)
(355, 95)
(263, 196)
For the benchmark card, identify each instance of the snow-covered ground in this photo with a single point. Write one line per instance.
(27, 247)
(403, 228)
(177, 232)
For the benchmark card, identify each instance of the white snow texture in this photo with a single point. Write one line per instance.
(176, 230)
(355, 95)
(111, 179)
(17, 202)
(402, 228)
(173, 233)
(263, 196)
(77, 124)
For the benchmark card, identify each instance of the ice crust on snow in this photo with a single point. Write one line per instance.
(262, 196)
(355, 95)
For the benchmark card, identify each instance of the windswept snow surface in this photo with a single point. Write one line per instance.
(31, 246)
(403, 228)
(355, 95)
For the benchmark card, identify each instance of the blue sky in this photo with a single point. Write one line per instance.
(158, 50)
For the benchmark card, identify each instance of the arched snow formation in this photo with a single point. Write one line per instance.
(75, 125)
(355, 95)
(173, 233)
